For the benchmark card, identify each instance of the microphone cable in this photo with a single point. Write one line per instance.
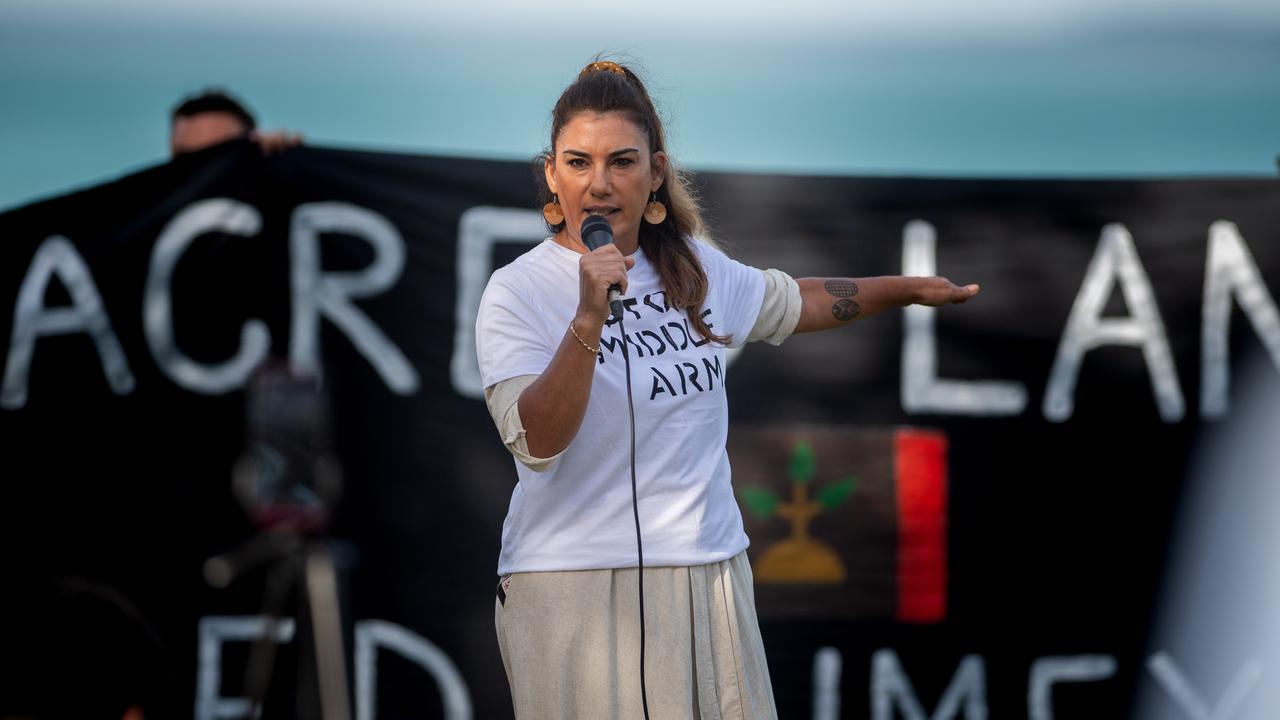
(596, 232)
(635, 509)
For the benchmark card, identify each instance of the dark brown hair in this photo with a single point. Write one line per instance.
(668, 245)
(213, 100)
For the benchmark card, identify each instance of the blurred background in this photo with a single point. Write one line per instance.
(923, 87)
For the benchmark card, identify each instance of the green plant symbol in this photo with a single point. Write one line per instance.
(802, 466)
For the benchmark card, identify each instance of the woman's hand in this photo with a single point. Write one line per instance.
(937, 291)
(598, 270)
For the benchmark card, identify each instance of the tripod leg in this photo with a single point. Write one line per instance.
(262, 657)
(326, 625)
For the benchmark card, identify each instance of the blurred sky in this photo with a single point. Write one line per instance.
(918, 87)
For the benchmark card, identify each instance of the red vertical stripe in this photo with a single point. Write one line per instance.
(922, 525)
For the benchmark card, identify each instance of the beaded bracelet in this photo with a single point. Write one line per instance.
(592, 350)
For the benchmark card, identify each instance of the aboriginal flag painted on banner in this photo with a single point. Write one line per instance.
(845, 521)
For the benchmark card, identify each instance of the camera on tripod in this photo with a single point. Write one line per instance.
(289, 483)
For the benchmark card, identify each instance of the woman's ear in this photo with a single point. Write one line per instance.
(549, 168)
(658, 166)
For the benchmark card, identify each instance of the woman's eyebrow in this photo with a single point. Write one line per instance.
(615, 153)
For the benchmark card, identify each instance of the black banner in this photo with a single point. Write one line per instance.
(953, 511)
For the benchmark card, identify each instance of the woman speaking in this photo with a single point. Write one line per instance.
(624, 584)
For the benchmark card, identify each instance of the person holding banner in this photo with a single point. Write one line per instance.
(213, 117)
(575, 616)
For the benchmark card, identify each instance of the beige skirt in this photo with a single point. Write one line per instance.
(570, 643)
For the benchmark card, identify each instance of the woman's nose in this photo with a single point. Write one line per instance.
(600, 182)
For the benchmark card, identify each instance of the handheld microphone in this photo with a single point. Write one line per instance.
(596, 232)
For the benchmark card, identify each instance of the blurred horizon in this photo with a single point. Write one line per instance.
(925, 88)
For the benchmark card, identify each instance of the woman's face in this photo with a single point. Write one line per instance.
(602, 166)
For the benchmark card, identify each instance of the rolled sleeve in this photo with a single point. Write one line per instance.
(502, 399)
(780, 311)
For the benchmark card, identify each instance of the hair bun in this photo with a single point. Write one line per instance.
(604, 66)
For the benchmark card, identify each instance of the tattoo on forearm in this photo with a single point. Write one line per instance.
(841, 288)
(845, 310)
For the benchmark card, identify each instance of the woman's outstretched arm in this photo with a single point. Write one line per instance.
(831, 302)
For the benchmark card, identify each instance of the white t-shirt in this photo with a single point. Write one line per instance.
(576, 514)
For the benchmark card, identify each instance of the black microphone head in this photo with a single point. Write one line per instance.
(596, 231)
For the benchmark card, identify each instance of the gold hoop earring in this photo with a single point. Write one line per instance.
(655, 212)
(552, 213)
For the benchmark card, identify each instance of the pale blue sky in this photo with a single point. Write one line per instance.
(923, 87)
